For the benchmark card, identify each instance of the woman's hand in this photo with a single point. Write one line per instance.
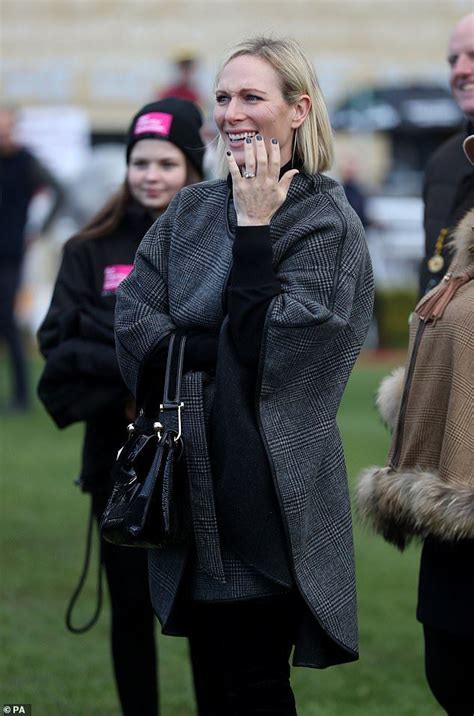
(257, 199)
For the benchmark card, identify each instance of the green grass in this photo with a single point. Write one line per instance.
(42, 533)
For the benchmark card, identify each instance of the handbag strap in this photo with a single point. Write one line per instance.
(150, 404)
(68, 619)
(174, 372)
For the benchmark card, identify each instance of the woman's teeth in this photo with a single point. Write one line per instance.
(241, 135)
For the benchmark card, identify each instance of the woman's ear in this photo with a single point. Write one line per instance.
(300, 109)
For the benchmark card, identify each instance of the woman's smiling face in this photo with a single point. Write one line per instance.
(249, 101)
(156, 172)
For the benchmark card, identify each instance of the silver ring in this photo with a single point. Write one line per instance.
(248, 175)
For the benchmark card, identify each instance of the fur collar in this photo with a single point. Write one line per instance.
(415, 504)
(389, 397)
(463, 242)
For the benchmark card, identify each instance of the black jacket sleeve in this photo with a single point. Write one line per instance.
(252, 286)
(73, 293)
(81, 375)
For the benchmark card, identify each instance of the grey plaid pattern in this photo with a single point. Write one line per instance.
(199, 470)
(313, 333)
(241, 582)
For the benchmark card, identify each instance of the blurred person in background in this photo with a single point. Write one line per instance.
(185, 63)
(354, 190)
(22, 177)
(449, 183)
(357, 196)
(269, 271)
(81, 379)
(427, 489)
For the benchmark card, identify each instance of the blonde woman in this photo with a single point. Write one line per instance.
(271, 264)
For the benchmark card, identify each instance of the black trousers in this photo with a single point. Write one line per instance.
(10, 277)
(243, 651)
(132, 626)
(449, 666)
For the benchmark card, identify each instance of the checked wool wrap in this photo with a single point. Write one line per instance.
(313, 333)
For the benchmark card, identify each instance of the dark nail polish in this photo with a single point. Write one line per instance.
(228, 153)
(259, 137)
(248, 140)
(274, 141)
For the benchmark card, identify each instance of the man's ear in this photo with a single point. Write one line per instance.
(301, 109)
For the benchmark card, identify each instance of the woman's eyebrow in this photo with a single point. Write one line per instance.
(251, 90)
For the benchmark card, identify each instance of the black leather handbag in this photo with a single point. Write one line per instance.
(149, 505)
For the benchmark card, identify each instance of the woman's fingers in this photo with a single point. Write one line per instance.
(233, 168)
(274, 168)
(262, 157)
(285, 181)
(257, 199)
(263, 162)
(249, 154)
(274, 160)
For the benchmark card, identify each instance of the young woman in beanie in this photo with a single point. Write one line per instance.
(271, 264)
(81, 379)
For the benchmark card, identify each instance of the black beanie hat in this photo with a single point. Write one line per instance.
(173, 119)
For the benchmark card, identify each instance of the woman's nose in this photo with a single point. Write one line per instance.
(234, 110)
(152, 173)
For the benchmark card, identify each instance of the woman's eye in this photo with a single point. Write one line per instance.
(252, 98)
(221, 98)
(139, 164)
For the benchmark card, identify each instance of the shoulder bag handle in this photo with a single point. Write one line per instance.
(172, 387)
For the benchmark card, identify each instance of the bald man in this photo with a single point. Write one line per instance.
(449, 180)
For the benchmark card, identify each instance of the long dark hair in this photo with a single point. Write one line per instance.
(112, 213)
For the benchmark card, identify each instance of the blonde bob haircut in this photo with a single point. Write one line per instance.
(313, 142)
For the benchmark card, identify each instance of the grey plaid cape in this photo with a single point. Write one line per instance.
(313, 333)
